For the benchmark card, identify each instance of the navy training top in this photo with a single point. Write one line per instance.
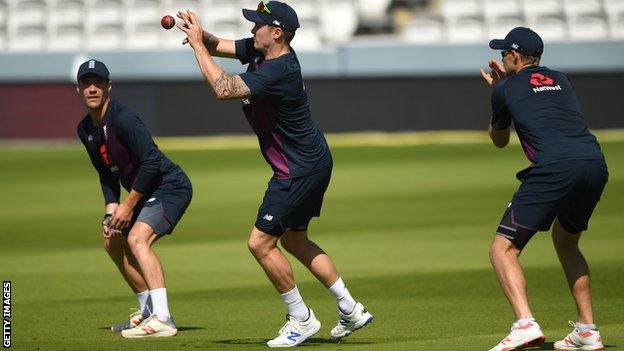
(279, 113)
(546, 115)
(121, 149)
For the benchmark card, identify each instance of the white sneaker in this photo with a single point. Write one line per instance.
(348, 323)
(520, 337)
(151, 327)
(135, 319)
(580, 340)
(295, 332)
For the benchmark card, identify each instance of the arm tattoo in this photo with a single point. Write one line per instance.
(228, 87)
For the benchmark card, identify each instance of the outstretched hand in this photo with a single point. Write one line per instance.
(496, 74)
(192, 28)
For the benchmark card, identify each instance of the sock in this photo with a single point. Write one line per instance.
(295, 305)
(524, 321)
(345, 302)
(159, 301)
(585, 327)
(145, 303)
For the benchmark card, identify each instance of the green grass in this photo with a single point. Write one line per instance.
(408, 227)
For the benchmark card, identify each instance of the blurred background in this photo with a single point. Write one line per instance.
(369, 65)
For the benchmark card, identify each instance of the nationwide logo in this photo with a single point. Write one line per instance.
(543, 83)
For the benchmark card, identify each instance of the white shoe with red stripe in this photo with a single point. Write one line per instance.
(151, 327)
(135, 319)
(580, 340)
(521, 336)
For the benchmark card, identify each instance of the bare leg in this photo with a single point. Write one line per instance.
(277, 268)
(117, 250)
(311, 256)
(576, 271)
(140, 241)
(504, 258)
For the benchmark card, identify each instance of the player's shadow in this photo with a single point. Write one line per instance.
(309, 342)
(550, 346)
(179, 328)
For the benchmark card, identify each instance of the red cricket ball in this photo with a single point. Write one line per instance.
(167, 22)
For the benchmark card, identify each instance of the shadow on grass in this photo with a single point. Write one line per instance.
(309, 342)
(551, 346)
(179, 328)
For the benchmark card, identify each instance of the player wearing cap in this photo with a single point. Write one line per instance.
(276, 106)
(122, 151)
(563, 184)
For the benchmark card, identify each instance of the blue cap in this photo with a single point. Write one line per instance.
(520, 39)
(93, 67)
(281, 15)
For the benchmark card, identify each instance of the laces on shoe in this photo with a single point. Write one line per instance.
(146, 320)
(287, 328)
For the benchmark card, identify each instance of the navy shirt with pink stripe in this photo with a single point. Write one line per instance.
(546, 115)
(279, 113)
(121, 149)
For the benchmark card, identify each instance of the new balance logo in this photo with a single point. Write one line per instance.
(293, 336)
(268, 217)
(90, 137)
(151, 199)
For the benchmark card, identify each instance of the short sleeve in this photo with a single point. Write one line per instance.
(501, 118)
(269, 80)
(245, 50)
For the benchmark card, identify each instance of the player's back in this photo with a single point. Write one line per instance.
(547, 117)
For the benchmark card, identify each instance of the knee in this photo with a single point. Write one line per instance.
(136, 243)
(260, 244)
(494, 251)
(501, 247)
(256, 247)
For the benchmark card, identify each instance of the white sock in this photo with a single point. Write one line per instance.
(345, 302)
(145, 303)
(295, 305)
(585, 327)
(524, 321)
(159, 301)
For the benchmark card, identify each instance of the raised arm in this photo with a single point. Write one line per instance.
(225, 86)
(498, 128)
(216, 46)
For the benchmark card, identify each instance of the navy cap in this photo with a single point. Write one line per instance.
(281, 15)
(520, 39)
(93, 67)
